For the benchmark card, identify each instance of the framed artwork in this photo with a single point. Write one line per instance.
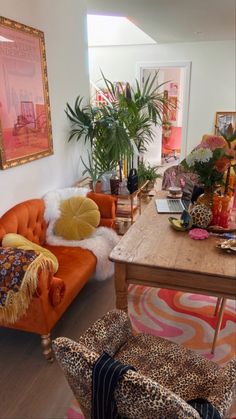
(25, 120)
(223, 120)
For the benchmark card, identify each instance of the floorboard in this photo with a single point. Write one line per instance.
(31, 388)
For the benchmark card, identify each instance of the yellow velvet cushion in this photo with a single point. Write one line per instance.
(16, 240)
(79, 218)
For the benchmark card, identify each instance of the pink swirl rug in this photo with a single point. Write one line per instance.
(184, 318)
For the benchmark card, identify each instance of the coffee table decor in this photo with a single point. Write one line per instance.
(210, 160)
(198, 234)
(183, 224)
(228, 246)
(201, 215)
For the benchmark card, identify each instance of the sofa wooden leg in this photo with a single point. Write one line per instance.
(47, 347)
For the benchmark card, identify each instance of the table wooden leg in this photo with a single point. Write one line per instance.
(132, 209)
(218, 324)
(121, 287)
(140, 202)
(219, 300)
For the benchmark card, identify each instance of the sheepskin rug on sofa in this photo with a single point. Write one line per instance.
(101, 242)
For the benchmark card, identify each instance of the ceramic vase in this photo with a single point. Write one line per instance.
(207, 197)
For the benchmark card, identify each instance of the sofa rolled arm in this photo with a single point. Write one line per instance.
(106, 203)
(56, 291)
(109, 333)
(50, 288)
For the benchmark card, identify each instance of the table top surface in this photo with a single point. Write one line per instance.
(152, 242)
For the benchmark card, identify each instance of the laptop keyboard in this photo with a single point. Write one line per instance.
(174, 205)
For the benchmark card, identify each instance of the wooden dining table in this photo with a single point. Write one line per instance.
(153, 254)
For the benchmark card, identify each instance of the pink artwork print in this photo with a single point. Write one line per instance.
(24, 105)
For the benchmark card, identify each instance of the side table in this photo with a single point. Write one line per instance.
(127, 211)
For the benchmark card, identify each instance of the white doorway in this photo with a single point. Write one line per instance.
(177, 75)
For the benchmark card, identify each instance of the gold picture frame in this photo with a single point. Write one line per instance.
(223, 120)
(25, 118)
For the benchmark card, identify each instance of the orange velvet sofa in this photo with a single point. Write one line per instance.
(76, 265)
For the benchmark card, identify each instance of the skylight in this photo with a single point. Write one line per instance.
(114, 30)
(3, 39)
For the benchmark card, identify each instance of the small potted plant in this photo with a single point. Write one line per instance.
(148, 172)
(92, 169)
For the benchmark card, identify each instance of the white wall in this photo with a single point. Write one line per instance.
(64, 26)
(212, 86)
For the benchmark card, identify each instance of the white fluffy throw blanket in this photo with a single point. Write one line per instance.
(101, 242)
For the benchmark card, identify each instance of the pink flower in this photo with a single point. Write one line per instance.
(212, 142)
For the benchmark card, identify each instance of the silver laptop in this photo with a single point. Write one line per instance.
(169, 206)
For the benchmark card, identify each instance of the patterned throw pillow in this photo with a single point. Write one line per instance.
(79, 218)
(16, 240)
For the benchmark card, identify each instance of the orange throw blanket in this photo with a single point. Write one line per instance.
(19, 271)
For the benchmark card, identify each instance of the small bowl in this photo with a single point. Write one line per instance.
(174, 190)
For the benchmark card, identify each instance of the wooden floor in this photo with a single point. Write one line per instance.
(29, 386)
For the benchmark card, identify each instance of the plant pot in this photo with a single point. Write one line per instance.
(105, 179)
(98, 186)
(150, 185)
(114, 183)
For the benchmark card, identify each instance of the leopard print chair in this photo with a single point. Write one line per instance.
(166, 376)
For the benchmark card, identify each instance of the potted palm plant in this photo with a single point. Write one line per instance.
(122, 126)
(140, 109)
(103, 128)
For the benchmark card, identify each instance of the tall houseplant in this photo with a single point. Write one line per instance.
(140, 108)
(103, 129)
(122, 125)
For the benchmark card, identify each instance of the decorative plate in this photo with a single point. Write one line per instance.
(198, 234)
(182, 224)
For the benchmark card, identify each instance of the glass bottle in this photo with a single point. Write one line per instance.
(216, 207)
(224, 214)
